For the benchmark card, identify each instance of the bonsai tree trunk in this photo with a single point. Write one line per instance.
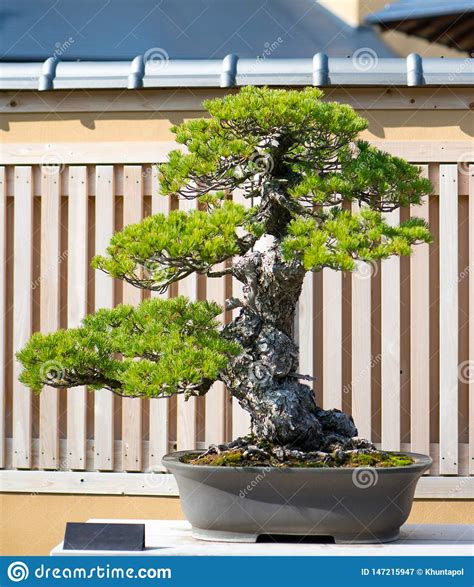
(264, 377)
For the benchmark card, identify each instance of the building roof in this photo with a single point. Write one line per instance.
(364, 68)
(449, 22)
(67, 44)
(119, 30)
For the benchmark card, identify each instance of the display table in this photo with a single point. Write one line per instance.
(173, 538)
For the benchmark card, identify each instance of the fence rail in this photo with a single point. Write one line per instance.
(392, 343)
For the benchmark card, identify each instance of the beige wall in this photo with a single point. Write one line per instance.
(155, 126)
(33, 524)
(148, 115)
(354, 12)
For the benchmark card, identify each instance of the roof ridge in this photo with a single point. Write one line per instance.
(364, 68)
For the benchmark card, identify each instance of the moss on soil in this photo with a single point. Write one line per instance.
(238, 458)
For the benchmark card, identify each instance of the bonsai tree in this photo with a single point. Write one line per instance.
(299, 162)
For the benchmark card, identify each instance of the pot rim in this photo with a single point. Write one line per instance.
(422, 461)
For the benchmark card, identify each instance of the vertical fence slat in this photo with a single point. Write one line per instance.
(3, 308)
(132, 407)
(240, 417)
(448, 319)
(471, 320)
(216, 396)
(306, 327)
(390, 321)
(77, 308)
(186, 420)
(361, 366)
(49, 307)
(420, 339)
(104, 298)
(332, 339)
(22, 312)
(159, 414)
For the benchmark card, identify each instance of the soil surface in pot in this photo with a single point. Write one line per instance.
(252, 452)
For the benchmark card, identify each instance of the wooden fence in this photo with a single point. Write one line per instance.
(391, 343)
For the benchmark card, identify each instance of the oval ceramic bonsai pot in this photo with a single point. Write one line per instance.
(239, 504)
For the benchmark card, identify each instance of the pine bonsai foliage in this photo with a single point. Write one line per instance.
(177, 342)
(299, 162)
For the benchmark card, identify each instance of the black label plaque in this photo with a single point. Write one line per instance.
(85, 536)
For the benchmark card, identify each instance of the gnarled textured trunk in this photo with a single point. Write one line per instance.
(264, 377)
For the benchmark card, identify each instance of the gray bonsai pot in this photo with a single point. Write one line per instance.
(239, 504)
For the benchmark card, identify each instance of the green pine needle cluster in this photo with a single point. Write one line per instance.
(369, 175)
(161, 249)
(176, 341)
(338, 238)
(293, 129)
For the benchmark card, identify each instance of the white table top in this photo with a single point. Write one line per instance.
(173, 538)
